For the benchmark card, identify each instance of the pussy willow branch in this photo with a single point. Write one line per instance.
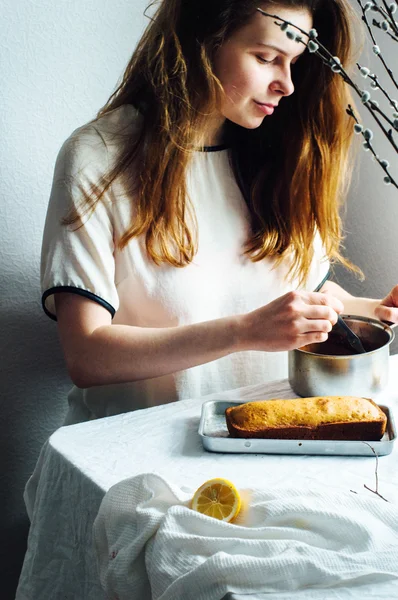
(377, 24)
(323, 53)
(386, 14)
(329, 60)
(368, 146)
(391, 20)
(380, 56)
(377, 85)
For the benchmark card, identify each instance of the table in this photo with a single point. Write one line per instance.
(79, 463)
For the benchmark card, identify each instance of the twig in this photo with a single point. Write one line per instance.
(377, 85)
(377, 24)
(392, 22)
(376, 491)
(374, 22)
(367, 135)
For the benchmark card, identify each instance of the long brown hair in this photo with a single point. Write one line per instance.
(294, 170)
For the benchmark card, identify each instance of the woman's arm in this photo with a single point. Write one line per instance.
(98, 352)
(353, 305)
(385, 309)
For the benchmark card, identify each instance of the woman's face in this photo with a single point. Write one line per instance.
(254, 66)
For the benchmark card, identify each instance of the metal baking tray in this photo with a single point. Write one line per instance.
(215, 438)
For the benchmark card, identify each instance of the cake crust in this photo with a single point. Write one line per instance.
(313, 418)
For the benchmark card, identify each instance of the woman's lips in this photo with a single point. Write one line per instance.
(267, 109)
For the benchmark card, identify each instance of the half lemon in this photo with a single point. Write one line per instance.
(217, 498)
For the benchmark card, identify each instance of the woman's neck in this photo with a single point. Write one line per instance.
(214, 131)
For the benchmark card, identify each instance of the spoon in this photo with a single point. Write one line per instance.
(346, 332)
(350, 336)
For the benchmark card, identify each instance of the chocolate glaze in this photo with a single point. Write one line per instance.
(337, 345)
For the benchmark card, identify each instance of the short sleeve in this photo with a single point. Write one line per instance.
(79, 258)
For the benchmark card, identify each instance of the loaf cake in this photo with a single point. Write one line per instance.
(315, 418)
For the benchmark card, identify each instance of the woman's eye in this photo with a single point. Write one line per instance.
(263, 60)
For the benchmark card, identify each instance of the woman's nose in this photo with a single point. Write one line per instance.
(284, 84)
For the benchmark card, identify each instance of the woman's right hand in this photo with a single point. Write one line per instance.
(291, 321)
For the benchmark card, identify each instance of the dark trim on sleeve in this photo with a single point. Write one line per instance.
(73, 290)
(214, 148)
(324, 280)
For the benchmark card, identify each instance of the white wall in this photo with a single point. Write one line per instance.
(59, 63)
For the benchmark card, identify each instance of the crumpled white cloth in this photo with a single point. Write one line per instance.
(150, 544)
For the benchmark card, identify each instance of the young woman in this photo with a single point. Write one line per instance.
(191, 222)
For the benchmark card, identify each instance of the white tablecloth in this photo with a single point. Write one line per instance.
(81, 462)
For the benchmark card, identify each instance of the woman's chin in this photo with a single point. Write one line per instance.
(253, 123)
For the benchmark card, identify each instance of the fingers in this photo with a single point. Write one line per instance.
(325, 313)
(316, 306)
(394, 295)
(387, 313)
(315, 337)
(296, 319)
(325, 299)
(392, 298)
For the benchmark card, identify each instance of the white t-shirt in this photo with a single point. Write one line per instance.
(220, 281)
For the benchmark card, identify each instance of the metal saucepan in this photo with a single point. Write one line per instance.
(332, 368)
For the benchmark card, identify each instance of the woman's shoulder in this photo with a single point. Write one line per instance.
(112, 127)
(98, 141)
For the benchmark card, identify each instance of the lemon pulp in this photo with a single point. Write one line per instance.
(217, 498)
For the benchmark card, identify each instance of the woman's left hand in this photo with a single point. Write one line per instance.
(387, 310)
